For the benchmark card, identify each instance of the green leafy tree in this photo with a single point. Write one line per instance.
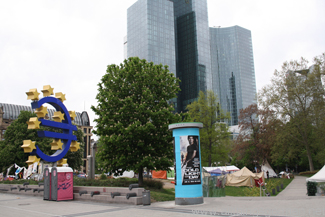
(214, 136)
(11, 151)
(256, 136)
(134, 112)
(296, 96)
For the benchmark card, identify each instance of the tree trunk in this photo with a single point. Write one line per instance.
(140, 178)
(311, 165)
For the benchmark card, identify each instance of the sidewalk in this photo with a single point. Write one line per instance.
(297, 188)
(290, 202)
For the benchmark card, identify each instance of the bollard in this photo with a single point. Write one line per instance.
(82, 192)
(133, 186)
(278, 188)
(28, 189)
(281, 185)
(113, 194)
(273, 191)
(128, 195)
(94, 193)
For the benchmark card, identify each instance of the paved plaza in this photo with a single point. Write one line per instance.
(290, 202)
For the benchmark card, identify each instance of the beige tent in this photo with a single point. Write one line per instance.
(243, 177)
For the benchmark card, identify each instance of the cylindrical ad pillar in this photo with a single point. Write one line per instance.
(187, 163)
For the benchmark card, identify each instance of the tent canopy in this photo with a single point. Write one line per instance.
(223, 168)
(318, 177)
(267, 167)
(244, 172)
(216, 171)
(244, 177)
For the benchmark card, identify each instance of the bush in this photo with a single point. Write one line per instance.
(308, 172)
(20, 182)
(311, 188)
(102, 182)
(103, 177)
(152, 183)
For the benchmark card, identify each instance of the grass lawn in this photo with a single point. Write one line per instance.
(255, 191)
(162, 195)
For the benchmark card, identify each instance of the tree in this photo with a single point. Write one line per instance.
(296, 95)
(134, 110)
(214, 135)
(11, 151)
(256, 136)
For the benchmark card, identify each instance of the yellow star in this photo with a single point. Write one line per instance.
(56, 144)
(33, 94)
(72, 115)
(32, 159)
(61, 162)
(47, 90)
(41, 112)
(60, 96)
(28, 146)
(75, 146)
(58, 116)
(33, 123)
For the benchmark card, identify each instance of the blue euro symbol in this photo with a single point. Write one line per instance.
(66, 125)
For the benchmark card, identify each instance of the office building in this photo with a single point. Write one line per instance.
(233, 67)
(176, 33)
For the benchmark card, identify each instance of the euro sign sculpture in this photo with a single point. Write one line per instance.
(61, 119)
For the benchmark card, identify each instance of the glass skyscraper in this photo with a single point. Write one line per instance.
(150, 32)
(233, 69)
(176, 33)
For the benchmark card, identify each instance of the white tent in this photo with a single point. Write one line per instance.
(127, 174)
(318, 177)
(266, 167)
(228, 169)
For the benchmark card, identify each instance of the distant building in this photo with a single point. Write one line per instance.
(233, 69)
(173, 33)
(10, 112)
(176, 33)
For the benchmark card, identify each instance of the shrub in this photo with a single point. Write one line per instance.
(308, 172)
(152, 183)
(311, 188)
(103, 177)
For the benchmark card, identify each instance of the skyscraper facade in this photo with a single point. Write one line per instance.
(233, 69)
(150, 32)
(176, 33)
(193, 49)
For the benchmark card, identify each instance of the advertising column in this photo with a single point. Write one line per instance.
(188, 179)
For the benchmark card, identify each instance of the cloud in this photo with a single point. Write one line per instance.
(68, 44)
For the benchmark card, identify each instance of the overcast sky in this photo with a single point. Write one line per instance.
(68, 44)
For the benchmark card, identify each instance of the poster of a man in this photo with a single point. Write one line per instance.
(190, 160)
